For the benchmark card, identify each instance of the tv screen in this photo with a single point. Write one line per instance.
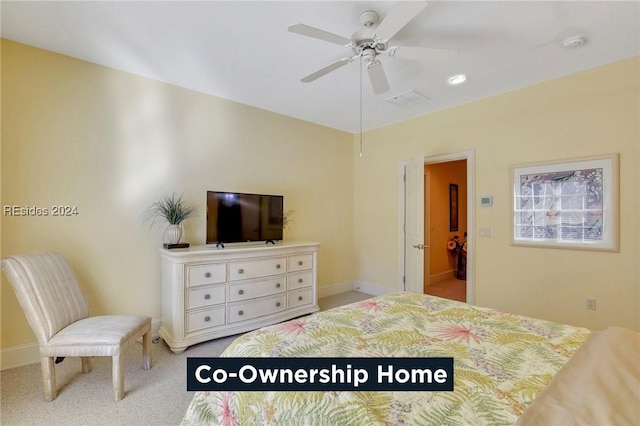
(235, 217)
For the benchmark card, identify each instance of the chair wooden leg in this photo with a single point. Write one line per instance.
(146, 350)
(118, 377)
(48, 378)
(86, 364)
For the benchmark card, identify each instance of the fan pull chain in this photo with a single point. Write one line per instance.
(360, 106)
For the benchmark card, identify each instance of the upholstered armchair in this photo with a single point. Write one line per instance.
(58, 313)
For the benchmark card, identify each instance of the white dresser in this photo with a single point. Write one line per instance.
(210, 292)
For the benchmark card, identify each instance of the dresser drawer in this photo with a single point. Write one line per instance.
(299, 263)
(251, 290)
(299, 280)
(256, 308)
(206, 274)
(257, 268)
(299, 298)
(206, 318)
(205, 296)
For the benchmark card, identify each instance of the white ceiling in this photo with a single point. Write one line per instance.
(242, 50)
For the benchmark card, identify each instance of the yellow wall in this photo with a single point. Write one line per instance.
(589, 113)
(110, 143)
(441, 175)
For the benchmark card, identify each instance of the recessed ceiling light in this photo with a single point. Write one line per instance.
(455, 80)
(573, 42)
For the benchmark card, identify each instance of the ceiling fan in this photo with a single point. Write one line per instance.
(373, 40)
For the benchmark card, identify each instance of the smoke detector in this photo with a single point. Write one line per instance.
(573, 42)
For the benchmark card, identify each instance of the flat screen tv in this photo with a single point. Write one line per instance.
(235, 217)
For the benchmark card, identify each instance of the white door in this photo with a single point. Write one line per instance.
(427, 229)
(414, 225)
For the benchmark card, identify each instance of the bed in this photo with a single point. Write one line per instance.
(506, 369)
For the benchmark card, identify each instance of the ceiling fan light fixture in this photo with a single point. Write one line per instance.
(369, 18)
(372, 40)
(456, 80)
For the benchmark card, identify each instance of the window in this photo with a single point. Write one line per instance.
(569, 204)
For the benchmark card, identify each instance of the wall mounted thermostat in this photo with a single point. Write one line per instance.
(486, 200)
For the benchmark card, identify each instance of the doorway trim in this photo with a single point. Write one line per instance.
(468, 155)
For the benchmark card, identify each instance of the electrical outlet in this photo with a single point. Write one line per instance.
(591, 303)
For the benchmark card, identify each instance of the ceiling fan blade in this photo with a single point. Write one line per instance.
(423, 53)
(325, 70)
(378, 78)
(319, 34)
(399, 16)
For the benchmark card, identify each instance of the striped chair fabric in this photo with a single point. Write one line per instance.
(48, 292)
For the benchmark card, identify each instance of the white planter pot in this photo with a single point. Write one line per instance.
(172, 234)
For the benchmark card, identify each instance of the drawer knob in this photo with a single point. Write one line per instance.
(207, 318)
(240, 312)
(300, 280)
(207, 296)
(241, 271)
(207, 275)
(277, 285)
(299, 297)
(278, 266)
(300, 262)
(240, 291)
(277, 303)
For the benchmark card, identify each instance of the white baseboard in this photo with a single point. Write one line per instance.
(346, 286)
(18, 356)
(371, 289)
(333, 289)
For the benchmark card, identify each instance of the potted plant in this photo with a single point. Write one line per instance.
(459, 249)
(286, 218)
(173, 210)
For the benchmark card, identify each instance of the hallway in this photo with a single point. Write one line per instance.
(453, 289)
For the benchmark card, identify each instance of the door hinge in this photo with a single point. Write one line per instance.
(403, 280)
(404, 177)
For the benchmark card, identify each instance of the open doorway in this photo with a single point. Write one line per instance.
(445, 230)
(413, 230)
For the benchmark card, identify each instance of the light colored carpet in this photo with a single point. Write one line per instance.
(153, 397)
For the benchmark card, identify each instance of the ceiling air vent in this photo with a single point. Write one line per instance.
(408, 98)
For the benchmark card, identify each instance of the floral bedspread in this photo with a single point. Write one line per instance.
(501, 362)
